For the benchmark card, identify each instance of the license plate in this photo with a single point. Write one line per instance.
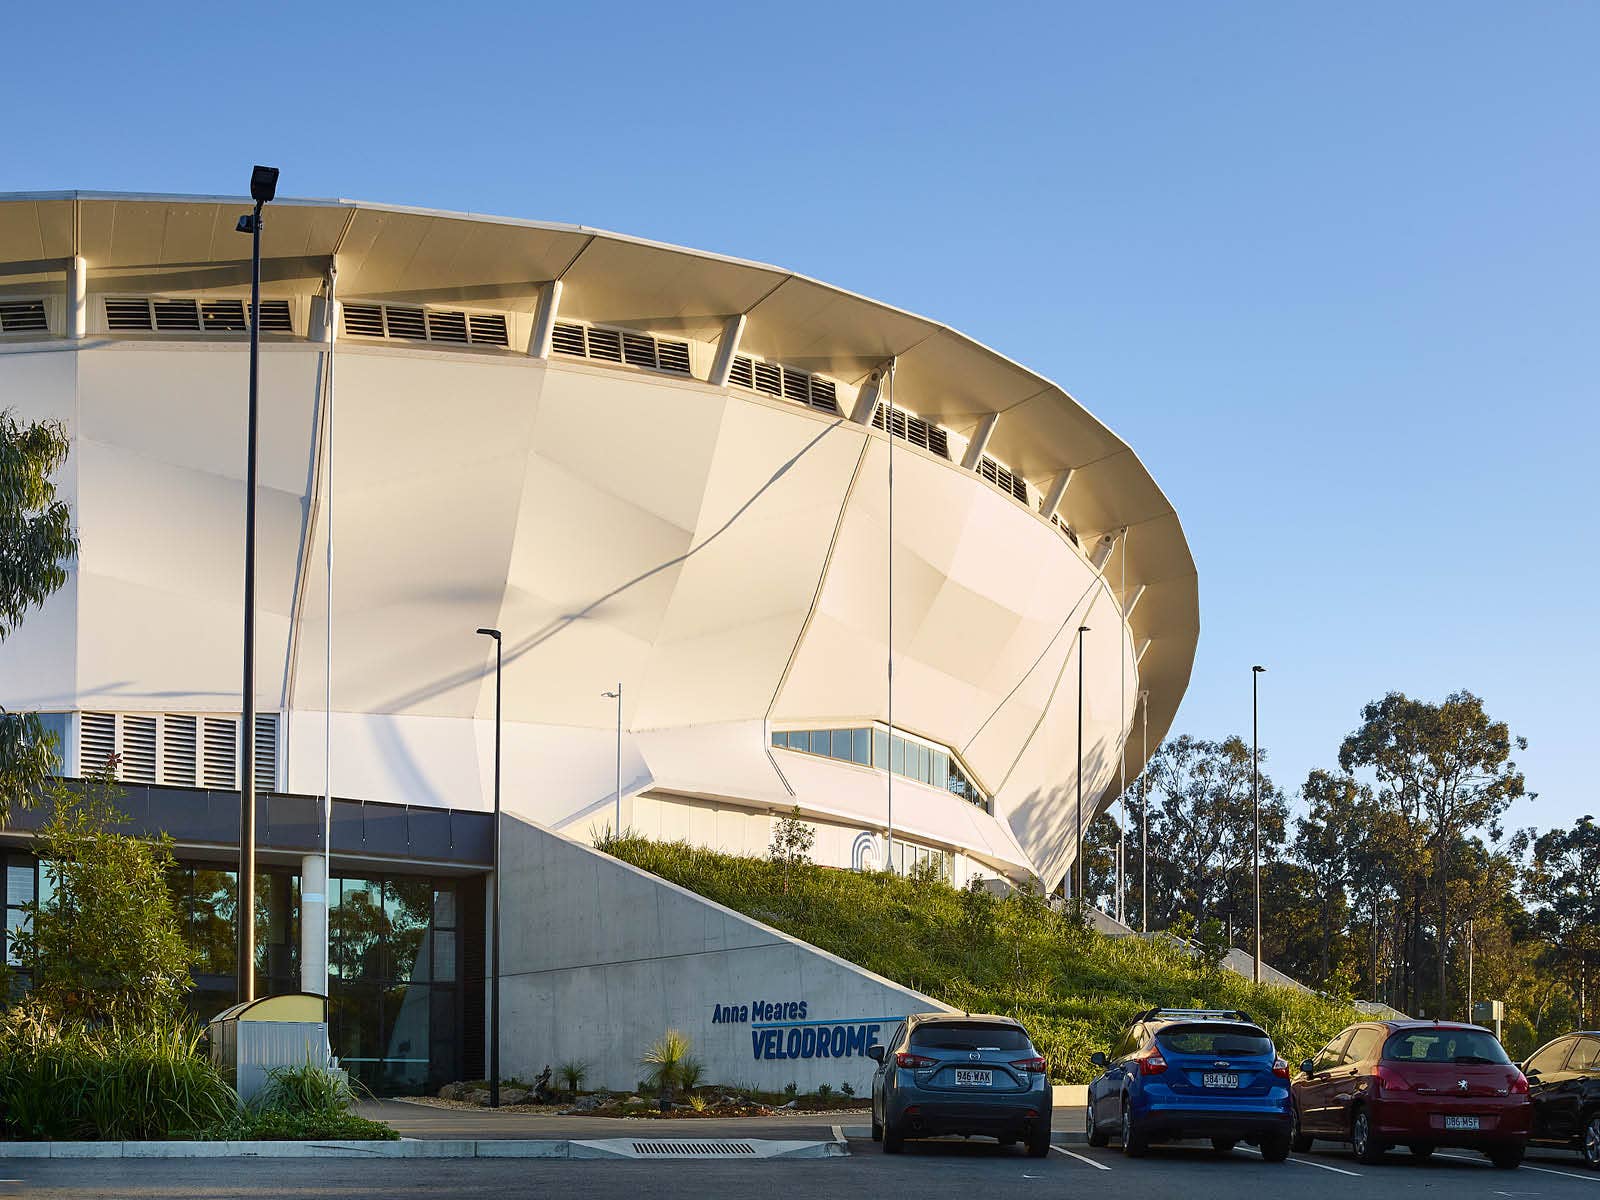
(1461, 1122)
(967, 1077)
(1216, 1079)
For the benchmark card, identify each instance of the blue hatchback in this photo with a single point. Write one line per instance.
(1191, 1073)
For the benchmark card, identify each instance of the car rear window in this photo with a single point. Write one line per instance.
(969, 1035)
(1444, 1046)
(1214, 1038)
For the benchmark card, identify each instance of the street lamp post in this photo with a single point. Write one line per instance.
(1255, 794)
(263, 187)
(617, 696)
(1144, 819)
(494, 902)
(1082, 629)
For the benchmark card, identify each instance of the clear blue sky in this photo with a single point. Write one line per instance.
(1330, 269)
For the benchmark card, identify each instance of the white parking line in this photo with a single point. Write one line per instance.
(1524, 1167)
(1306, 1162)
(1081, 1158)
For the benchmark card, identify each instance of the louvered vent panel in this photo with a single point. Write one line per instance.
(276, 317)
(568, 339)
(769, 379)
(488, 329)
(222, 752)
(672, 356)
(97, 742)
(405, 323)
(179, 753)
(363, 320)
(127, 314)
(138, 749)
(741, 374)
(23, 316)
(266, 751)
(824, 395)
(1019, 488)
(638, 350)
(447, 326)
(177, 316)
(222, 316)
(796, 385)
(939, 442)
(915, 430)
(605, 344)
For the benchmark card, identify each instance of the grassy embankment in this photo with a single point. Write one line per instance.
(1074, 989)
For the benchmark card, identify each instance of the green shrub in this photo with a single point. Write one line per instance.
(666, 1058)
(1073, 988)
(573, 1074)
(67, 1081)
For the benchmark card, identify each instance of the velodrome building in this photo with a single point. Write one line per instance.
(659, 471)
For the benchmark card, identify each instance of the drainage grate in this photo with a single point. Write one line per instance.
(698, 1149)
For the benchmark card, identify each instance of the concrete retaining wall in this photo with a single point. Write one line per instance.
(605, 957)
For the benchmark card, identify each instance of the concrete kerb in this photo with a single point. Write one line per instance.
(529, 1148)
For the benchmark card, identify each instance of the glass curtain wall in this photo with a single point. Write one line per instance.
(874, 747)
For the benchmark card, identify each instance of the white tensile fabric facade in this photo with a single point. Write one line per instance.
(722, 552)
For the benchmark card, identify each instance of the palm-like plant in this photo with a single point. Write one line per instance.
(665, 1059)
(573, 1074)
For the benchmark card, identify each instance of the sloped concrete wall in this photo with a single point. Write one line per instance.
(601, 958)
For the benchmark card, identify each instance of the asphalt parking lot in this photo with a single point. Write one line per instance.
(927, 1169)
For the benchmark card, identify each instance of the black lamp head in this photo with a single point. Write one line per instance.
(1259, 670)
(263, 184)
(494, 633)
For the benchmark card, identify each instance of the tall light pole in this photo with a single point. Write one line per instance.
(494, 902)
(263, 187)
(1255, 794)
(1082, 629)
(1144, 820)
(617, 696)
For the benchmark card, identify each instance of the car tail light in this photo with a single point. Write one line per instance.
(1034, 1066)
(1390, 1080)
(1519, 1084)
(1280, 1068)
(912, 1062)
(1150, 1061)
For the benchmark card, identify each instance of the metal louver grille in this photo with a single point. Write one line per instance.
(179, 752)
(638, 350)
(222, 751)
(447, 327)
(97, 742)
(266, 751)
(222, 316)
(911, 428)
(769, 379)
(127, 314)
(1005, 480)
(673, 356)
(788, 382)
(742, 374)
(796, 386)
(23, 316)
(406, 323)
(275, 317)
(823, 394)
(488, 329)
(176, 316)
(138, 749)
(568, 339)
(363, 320)
(605, 344)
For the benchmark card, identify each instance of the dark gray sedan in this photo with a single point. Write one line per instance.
(942, 1073)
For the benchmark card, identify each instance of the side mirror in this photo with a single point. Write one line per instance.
(1531, 1072)
(875, 1053)
(1099, 1060)
(1307, 1067)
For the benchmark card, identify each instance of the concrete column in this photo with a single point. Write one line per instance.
(727, 349)
(544, 320)
(1131, 601)
(1143, 646)
(313, 925)
(980, 441)
(1102, 550)
(77, 298)
(868, 397)
(1057, 493)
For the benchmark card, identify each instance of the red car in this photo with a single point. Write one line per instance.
(1420, 1084)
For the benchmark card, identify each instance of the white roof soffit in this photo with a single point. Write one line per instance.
(390, 251)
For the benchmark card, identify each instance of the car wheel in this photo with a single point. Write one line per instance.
(1134, 1141)
(1367, 1148)
(1275, 1148)
(1507, 1158)
(1420, 1149)
(1299, 1140)
(1039, 1140)
(893, 1140)
(1223, 1145)
(1091, 1131)
(1591, 1142)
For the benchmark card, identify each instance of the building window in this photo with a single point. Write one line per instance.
(873, 747)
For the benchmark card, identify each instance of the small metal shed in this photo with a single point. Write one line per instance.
(250, 1040)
